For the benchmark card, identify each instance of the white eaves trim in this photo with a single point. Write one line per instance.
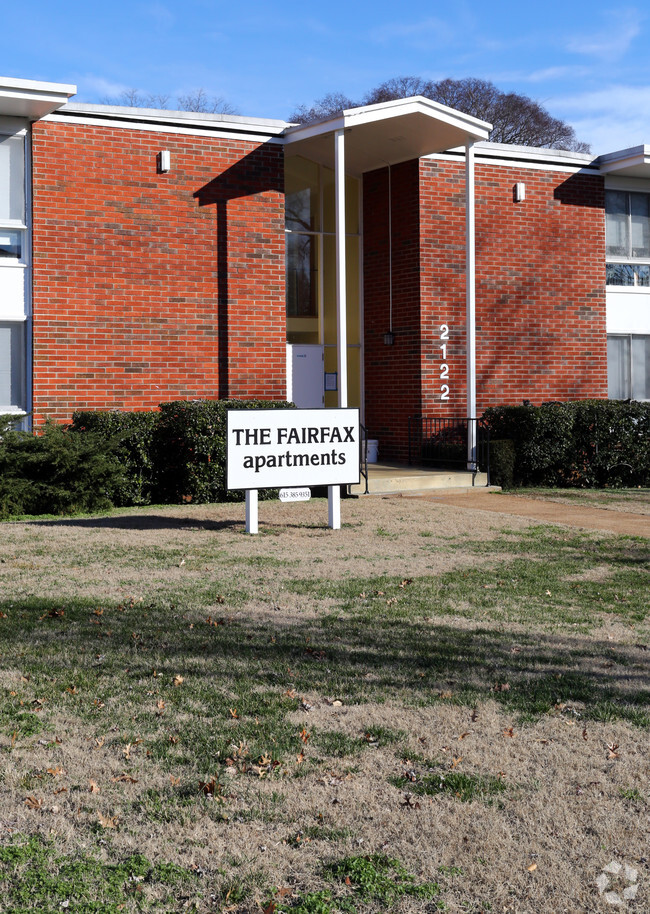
(533, 157)
(30, 99)
(188, 123)
(634, 162)
(368, 114)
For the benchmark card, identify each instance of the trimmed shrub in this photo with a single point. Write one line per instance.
(502, 462)
(56, 472)
(189, 450)
(130, 436)
(580, 443)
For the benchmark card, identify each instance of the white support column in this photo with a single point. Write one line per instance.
(251, 511)
(334, 507)
(341, 274)
(470, 280)
(334, 492)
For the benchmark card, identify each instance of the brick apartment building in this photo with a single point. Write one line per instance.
(388, 258)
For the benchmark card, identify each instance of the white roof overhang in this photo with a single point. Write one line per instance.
(627, 163)
(30, 99)
(388, 133)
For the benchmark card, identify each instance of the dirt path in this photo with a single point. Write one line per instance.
(551, 512)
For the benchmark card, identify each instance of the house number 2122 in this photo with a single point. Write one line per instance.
(444, 367)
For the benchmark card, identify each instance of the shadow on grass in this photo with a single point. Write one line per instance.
(141, 522)
(248, 664)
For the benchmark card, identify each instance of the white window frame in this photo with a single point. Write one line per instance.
(619, 258)
(630, 337)
(9, 312)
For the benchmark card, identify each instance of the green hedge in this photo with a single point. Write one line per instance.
(593, 443)
(56, 472)
(189, 450)
(110, 458)
(502, 462)
(130, 436)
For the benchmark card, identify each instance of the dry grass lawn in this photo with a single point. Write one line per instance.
(435, 708)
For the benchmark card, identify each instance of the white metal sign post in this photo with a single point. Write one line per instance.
(275, 448)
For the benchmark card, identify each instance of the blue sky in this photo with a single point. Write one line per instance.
(587, 62)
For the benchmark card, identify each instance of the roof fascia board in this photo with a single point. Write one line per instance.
(162, 115)
(479, 130)
(221, 131)
(31, 99)
(633, 157)
(352, 117)
(530, 158)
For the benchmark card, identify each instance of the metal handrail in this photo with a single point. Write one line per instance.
(445, 442)
(363, 456)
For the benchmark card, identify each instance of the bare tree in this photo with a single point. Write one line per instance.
(329, 104)
(515, 118)
(198, 101)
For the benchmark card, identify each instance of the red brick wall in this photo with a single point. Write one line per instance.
(540, 292)
(392, 373)
(540, 285)
(151, 287)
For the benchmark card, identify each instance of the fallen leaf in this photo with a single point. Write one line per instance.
(612, 747)
(55, 772)
(174, 781)
(107, 821)
(179, 680)
(474, 715)
(270, 908)
(463, 735)
(33, 802)
(233, 713)
(457, 761)
(283, 892)
(584, 734)
(532, 868)
(99, 742)
(60, 790)
(93, 786)
(509, 732)
(300, 758)
(304, 736)
(446, 694)
(124, 777)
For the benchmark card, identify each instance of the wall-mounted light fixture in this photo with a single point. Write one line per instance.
(164, 161)
(389, 338)
(519, 192)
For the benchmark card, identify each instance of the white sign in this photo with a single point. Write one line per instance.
(294, 494)
(273, 448)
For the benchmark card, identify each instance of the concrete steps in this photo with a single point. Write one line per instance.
(395, 479)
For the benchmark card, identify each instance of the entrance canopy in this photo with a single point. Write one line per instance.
(31, 99)
(387, 133)
(627, 163)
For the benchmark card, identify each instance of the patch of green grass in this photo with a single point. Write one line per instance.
(382, 879)
(35, 877)
(338, 744)
(632, 794)
(466, 787)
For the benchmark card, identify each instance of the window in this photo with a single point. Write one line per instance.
(627, 236)
(628, 367)
(13, 306)
(12, 179)
(12, 366)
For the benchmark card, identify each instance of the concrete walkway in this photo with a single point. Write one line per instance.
(549, 512)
